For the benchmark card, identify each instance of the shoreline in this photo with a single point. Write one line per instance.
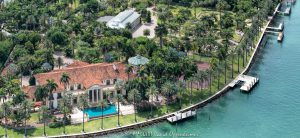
(198, 105)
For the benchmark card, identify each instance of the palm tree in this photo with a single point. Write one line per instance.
(26, 107)
(119, 85)
(6, 112)
(222, 5)
(210, 72)
(66, 108)
(51, 86)
(41, 93)
(152, 92)
(215, 66)
(134, 96)
(181, 88)
(227, 35)
(128, 70)
(44, 110)
(232, 60)
(168, 89)
(103, 104)
(73, 44)
(191, 80)
(160, 31)
(203, 78)
(84, 103)
(239, 51)
(59, 62)
(65, 79)
(119, 97)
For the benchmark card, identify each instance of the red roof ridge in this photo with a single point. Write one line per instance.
(104, 64)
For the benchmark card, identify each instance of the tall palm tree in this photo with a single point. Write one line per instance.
(181, 88)
(103, 104)
(128, 70)
(152, 92)
(215, 66)
(83, 103)
(210, 72)
(168, 89)
(41, 93)
(134, 96)
(44, 110)
(222, 5)
(239, 51)
(232, 62)
(6, 112)
(66, 108)
(59, 62)
(227, 35)
(119, 85)
(203, 78)
(26, 106)
(119, 98)
(191, 80)
(65, 79)
(51, 86)
(161, 31)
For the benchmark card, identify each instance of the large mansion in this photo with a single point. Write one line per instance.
(96, 79)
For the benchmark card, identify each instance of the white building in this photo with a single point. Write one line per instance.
(123, 18)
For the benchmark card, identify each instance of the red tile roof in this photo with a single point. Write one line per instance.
(87, 75)
(77, 63)
(29, 91)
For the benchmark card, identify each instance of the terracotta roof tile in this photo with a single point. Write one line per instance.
(29, 91)
(87, 75)
(77, 63)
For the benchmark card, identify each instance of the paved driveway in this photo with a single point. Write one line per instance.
(151, 26)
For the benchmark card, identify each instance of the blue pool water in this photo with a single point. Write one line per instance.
(97, 112)
(271, 110)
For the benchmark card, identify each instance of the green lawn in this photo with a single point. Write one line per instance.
(90, 126)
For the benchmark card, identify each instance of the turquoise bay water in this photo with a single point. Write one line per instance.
(271, 110)
(97, 112)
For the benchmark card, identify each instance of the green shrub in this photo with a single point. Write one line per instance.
(146, 32)
(55, 124)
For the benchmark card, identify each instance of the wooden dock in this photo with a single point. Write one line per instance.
(280, 37)
(181, 116)
(278, 29)
(248, 82)
(287, 11)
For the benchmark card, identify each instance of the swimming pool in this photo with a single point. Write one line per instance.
(97, 111)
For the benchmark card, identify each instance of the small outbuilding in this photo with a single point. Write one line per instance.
(125, 18)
